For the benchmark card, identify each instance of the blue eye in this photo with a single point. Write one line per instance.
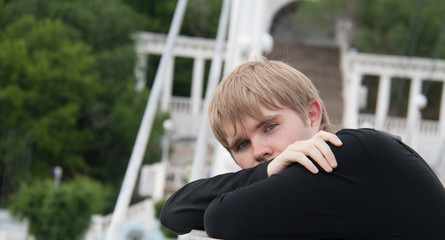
(243, 144)
(270, 127)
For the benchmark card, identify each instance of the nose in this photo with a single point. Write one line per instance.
(261, 151)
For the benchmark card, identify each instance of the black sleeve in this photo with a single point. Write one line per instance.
(297, 204)
(380, 190)
(184, 210)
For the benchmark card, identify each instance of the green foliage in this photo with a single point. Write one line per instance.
(401, 27)
(67, 83)
(315, 19)
(58, 213)
(159, 13)
(116, 68)
(183, 78)
(154, 149)
(103, 24)
(66, 78)
(116, 128)
(46, 82)
(383, 25)
(202, 18)
(158, 208)
(118, 139)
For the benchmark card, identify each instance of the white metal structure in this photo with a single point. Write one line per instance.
(215, 75)
(144, 131)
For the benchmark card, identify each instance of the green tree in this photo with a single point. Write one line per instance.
(112, 108)
(47, 82)
(401, 27)
(396, 27)
(94, 132)
(159, 13)
(202, 18)
(58, 212)
(104, 24)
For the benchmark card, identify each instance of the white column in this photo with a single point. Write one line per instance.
(413, 104)
(351, 100)
(442, 112)
(233, 42)
(416, 102)
(140, 71)
(257, 33)
(197, 82)
(168, 87)
(383, 99)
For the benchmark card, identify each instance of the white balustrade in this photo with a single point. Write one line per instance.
(195, 235)
(142, 211)
(182, 105)
(198, 49)
(425, 136)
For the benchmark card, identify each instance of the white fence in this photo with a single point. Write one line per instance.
(425, 136)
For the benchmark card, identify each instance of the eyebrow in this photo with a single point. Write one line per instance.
(266, 120)
(259, 125)
(234, 144)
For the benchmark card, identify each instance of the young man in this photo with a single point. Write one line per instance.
(269, 116)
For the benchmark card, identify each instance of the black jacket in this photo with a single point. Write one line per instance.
(381, 189)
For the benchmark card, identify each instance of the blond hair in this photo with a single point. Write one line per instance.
(271, 84)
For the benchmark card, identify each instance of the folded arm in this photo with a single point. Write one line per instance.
(184, 210)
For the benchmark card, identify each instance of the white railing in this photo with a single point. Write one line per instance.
(356, 65)
(137, 212)
(195, 235)
(398, 126)
(181, 105)
(427, 137)
(11, 228)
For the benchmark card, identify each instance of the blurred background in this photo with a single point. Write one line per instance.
(75, 78)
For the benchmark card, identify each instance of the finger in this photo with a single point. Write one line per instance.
(302, 159)
(324, 148)
(334, 140)
(317, 155)
(310, 149)
(307, 163)
(326, 151)
(329, 137)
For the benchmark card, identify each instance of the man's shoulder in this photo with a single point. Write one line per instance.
(368, 134)
(370, 139)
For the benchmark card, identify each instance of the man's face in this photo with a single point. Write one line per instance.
(263, 139)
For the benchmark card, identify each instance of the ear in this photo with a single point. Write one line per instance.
(314, 113)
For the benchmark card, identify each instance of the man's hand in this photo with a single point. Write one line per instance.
(299, 152)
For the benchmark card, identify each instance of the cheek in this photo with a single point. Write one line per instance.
(244, 161)
(291, 137)
(282, 143)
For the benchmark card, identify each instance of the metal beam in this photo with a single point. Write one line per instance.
(143, 135)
